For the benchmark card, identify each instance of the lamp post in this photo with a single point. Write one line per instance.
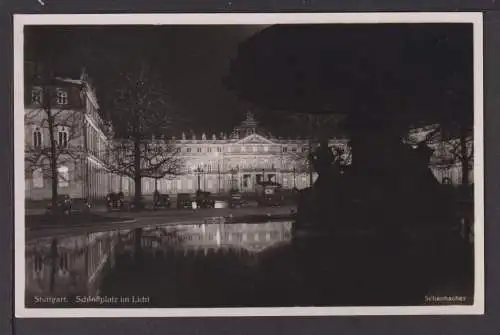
(199, 171)
(204, 180)
(234, 171)
(218, 177)
(294, 177)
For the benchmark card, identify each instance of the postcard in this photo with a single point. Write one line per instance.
(182, 165)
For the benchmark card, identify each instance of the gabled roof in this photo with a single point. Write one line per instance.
(254, 139)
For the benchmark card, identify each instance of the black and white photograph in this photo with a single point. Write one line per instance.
(248, 164)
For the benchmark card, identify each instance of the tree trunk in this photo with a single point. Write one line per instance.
(137, 173)
(310, 144)
(464, 157)
(53, 158)
(311, 178)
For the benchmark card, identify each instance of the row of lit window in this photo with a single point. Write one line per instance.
(61, 138)
(294, 149)
(239, 237)
(61, 96)
(218, 149)
(239, 149)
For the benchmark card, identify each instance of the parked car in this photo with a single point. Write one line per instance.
(270, 194)
(115, 201)
(236, 199)
(203, 200)
(67, 206)
(184, 200)
(63, 205)
(82, 206)
(161, 201)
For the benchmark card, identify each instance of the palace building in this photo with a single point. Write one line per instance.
(240, 160)
(69, 107)
(215, 163)
(249, 155)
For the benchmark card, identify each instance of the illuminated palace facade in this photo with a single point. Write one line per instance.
(214, 163)
(249, 155)
(240, 160)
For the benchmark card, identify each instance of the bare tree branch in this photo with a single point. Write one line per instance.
(140, 110)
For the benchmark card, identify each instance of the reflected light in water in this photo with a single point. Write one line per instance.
(253, 237)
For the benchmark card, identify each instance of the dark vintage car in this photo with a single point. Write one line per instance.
(80, 206)
(67, 206)
(161, 201)
(269, 194)
(115, 201)
(236, 199)
(204, 200)
(63, 205)
(184, 200)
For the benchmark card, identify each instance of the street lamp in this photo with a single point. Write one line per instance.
(234, 171)
(199, 171)
(204, 181)
(218, 177)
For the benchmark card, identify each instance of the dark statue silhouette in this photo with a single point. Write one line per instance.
(388, 183)
(387, 211)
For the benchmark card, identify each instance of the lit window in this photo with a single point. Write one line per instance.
(209, 149)
(266, 148)
(285, 149)
(199, 149)
(178, 149)
(219, 149)
(63, 137)
(37, 138)
(304, 149)
(36, 95)
(188, 149)
(294, 149)
(63, 173)
(254, 149)
(38, 178)
(62, 97)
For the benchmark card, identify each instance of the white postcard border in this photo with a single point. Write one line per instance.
(20, 21)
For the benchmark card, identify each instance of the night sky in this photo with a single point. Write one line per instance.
(347, 66)
(192, 61)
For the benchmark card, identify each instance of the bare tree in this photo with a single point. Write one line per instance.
(158, 159)
(49, 118)
(138, 108)
(318, 127)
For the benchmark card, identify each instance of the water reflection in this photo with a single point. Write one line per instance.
(249, 237)
(202, 265)
(218, 264)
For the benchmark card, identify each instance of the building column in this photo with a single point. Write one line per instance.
(94, 182)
